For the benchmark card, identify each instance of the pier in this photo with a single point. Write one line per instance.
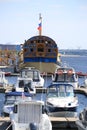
(63, 122)
(80, 89)
(5, 123)
(57, 122)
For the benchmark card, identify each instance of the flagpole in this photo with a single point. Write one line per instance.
(40, 25)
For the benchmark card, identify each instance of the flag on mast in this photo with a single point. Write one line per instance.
(40, 25)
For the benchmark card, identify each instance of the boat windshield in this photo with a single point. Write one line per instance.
(64, 77)
(31, 74)
(11, 99)
(25, 83)
(60, 91)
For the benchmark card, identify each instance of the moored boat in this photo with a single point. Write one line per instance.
(82, 121)
(85, 82)
(81, 74)
(8, 70)
(11, 98)
(66, 75)
(24, 84)
(61, 98)
(3, 81)
(30, 115)
(34, 74)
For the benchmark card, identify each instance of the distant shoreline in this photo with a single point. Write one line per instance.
(62, 55)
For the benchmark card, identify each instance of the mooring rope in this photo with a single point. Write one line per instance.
(8, 126)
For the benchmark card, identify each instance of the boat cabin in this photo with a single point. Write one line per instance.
(34, 74)
(66, 75)
(24, 85)
(29, 115)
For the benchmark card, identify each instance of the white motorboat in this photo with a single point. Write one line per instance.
(7, 70)
(82, 121)
(24, 85)
(66, 75)
(3, 80)
(30, 115)
(85, 82)
(31, 72)
(11, 98)
(61, 98)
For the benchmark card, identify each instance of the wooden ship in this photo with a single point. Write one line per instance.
(40, 52)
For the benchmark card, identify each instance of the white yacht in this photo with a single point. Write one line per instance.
(61, 98)
(31, 72)
(29, 115)
(82, 121)
(11, 98)
(24, 85)
(66, 75)
(3, 81)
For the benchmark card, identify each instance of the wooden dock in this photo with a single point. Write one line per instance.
(5, 123)
(81, 90)
(64, 122)
(57, 122)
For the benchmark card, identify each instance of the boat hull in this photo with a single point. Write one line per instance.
(63, 114)
(41, 66)
(61, 109)
(80, 125)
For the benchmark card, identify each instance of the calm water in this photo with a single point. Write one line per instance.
(79, 63)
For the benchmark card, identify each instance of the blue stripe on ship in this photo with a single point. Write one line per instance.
(40, 59)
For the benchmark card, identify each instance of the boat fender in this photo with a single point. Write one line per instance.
(33, 126)
(70, 72)
(60, 72)
(81, 117)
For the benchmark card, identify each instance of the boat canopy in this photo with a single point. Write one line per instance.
(60, 90)
(18, 94)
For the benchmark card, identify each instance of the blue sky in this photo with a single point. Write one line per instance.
(65, 21)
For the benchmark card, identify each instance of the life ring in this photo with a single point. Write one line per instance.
(60, 71)
(70, 72)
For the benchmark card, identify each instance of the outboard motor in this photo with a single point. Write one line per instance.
(25, 89)
(33, 126)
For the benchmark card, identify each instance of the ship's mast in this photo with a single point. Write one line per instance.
(40, 25)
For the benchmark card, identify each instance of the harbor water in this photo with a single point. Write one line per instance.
(80, 65)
